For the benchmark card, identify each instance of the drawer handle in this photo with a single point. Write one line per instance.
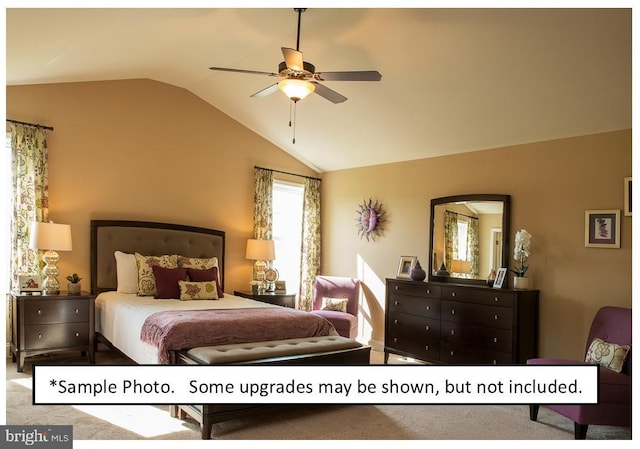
(453, 311)
(495, 362)
(395, 321)
(428, 291)
(495, 317)
(39, 312)
(397, 287)
(496, 299)
(453, 332)
(495, 339)
(427, 328)
(453, 294)
(451, 353)
(395, 340)
(428, 307)
(39, 336)
(426, 348)
(77, 334)
(396, 303)
(77, 311)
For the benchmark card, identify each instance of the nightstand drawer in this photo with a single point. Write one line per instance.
(56, 335)
(56, 311)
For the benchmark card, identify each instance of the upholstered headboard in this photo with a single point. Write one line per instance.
(149, 238)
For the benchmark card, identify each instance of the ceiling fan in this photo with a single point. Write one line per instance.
(300, 77)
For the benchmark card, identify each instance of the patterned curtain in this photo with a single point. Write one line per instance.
(310, 265)
(450, 237)
(30, 195)
(263, 204)
(473, 236)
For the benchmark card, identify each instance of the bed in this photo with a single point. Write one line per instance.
(144, 328)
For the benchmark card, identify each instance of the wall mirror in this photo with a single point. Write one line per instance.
(470, 235)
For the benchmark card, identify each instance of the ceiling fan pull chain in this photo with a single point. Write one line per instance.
(295, 104)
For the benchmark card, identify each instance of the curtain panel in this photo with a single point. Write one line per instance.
(29, 196)
(310, 265)
(263, 204)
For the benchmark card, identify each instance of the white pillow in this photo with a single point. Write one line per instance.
(126, 272)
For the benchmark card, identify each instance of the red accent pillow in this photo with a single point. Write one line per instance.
(210, 274)
(167, 281)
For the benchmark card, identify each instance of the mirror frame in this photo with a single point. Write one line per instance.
(506, 232)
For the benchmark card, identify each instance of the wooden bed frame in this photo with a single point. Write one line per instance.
(108, 236)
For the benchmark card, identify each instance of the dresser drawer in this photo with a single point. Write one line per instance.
(426, 307)
(413, 326)
(425, 349)
(477, 336)
(421, 289)
(467, 313)
(461, 354)
(56, 335)
(479, 296)
(56, 311)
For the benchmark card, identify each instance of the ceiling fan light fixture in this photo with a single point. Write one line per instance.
(296, 89)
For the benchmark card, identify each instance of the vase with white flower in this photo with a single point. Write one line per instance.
(521, 252)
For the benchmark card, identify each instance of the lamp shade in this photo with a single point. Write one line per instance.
(260, 249)
(295, 89)
(461, 266)
(50, 236)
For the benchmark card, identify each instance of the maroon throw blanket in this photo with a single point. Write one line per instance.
(186, 329)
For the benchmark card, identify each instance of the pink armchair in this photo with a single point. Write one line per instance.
(613, 325)
(334, 287)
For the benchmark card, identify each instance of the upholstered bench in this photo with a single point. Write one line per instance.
(330, 350)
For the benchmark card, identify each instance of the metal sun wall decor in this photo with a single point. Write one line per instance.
(369, 220)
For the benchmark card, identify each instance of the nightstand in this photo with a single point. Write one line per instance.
(279, 299)
(50, 323)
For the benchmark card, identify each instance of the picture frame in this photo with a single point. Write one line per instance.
(406, 264)
(602, 228)
(501, 276)
(30, 283)
(627, 196)
(281, 286)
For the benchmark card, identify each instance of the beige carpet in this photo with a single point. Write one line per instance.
(362, 422)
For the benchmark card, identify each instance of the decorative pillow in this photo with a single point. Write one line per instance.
(167, 281)
(197, 263)
(337, 304)
(126, 272)
(198, 290)
(210, 274)
(146, 279)
(609, 355)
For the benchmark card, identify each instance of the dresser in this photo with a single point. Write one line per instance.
(49, 323)
(460, 324)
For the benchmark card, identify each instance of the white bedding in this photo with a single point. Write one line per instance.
(120, 316)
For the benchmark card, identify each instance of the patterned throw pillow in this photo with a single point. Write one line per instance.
(206, 265)
(609, 355)
(336, 304)
(146, 279)
(198, 290)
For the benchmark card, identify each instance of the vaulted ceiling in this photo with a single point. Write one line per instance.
(453, 80)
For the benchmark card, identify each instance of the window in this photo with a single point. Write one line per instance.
(288, 200)
(463, 246)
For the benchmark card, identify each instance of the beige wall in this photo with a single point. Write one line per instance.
(551, 185)
(144, 150)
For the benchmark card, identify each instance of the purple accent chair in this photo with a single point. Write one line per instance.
(346, 323)
(613, 325)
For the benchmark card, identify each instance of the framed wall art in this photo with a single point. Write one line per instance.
(627, 196)
(405, 266)
(500, 278)
(602, 228)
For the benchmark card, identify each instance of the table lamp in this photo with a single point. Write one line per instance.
(260, 251)
(50, 237)
(461, 267)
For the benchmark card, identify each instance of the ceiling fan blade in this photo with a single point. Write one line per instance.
(329, 94)
(293, 59)
(369, 75)
(266, 91)
(253, 72)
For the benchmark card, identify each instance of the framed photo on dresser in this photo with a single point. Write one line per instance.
(500, 278)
